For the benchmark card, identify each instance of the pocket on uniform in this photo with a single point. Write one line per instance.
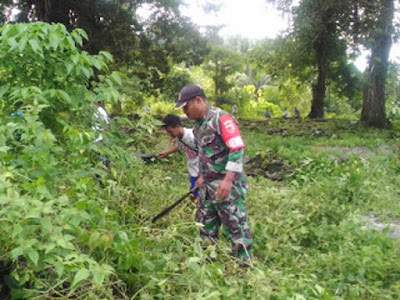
(207, 139)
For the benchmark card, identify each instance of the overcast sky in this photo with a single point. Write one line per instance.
(254, 19)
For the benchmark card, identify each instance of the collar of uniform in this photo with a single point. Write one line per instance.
(207, 116)
(209, 113)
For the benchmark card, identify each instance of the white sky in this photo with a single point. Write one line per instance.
(254, 19)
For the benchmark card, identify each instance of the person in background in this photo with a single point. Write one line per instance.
(234, 110)
(18, 112)
(101, 123)
(184, 141)
(296, 113)
(222, 181)
(267, 114)
(286, 114)
(101, 120)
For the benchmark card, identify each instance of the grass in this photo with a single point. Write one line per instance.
(309, 238)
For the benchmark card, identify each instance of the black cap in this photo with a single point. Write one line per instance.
(188, 93)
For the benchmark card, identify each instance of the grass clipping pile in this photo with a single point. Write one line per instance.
(267, 164)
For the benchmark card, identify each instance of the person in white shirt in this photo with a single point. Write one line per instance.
(286, 114)
(101, 121)
(184, 141)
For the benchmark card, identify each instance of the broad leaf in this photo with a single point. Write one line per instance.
(81, 275)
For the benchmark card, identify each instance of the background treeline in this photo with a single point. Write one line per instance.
(311, 66)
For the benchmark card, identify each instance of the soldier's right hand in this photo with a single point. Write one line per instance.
(199, 182)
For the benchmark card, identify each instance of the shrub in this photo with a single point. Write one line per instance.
(48, 162)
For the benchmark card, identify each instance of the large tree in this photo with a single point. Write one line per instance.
(378, 30)
(316, 44)
(221, 63)
(318, 25)
(365, 22)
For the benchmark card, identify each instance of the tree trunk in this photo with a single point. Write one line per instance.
(318, 89)
(216, 80)
(373, 108)
(51, 11)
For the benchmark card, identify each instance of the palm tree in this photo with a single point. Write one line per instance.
(251, 77)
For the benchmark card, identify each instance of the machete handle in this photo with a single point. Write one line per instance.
(169, 208)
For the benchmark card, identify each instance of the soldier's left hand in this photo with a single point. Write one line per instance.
(224, 189)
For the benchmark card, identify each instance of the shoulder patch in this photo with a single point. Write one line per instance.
(230, 133)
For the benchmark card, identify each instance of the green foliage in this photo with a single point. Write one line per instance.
(153, 43)
(51, 203)
(393, 92)
(42, 66)
(133, 90)
(174, 81)
(201, 78)
(221, 63)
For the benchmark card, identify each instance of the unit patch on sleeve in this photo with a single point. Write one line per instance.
(230, 133)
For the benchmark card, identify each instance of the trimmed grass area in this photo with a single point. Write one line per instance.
(309, 237)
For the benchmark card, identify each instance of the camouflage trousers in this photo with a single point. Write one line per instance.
(231, 213)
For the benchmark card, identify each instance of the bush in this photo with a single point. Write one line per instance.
(50, 221)
(173, 82)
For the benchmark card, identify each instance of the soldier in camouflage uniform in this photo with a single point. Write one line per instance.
(222, 182)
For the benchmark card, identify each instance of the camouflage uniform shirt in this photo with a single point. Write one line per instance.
(215, 156)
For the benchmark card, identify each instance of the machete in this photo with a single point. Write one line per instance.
(169, 208)
(144, 155)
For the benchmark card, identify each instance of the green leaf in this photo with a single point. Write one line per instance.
(12, 43)
(4, 149)
(22, 43)
(49, 247)
(65, 96)
(76, 59)
(71, 42)
(81, 275)
(82, 33)
(98, 277)
(107, 55)
(46, 225)
(5, 29)
(54, 40)
(33, 256)
(116, 78)
(77, 38)
(69, 66)
(109, 82)
(59, 268)
(96, 63)
(35, 46)
(85, 72)
(3, 90)
(62, 243)
(94, 240)
(15, 253)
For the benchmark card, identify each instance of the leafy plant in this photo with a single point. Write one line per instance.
(46, 161)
